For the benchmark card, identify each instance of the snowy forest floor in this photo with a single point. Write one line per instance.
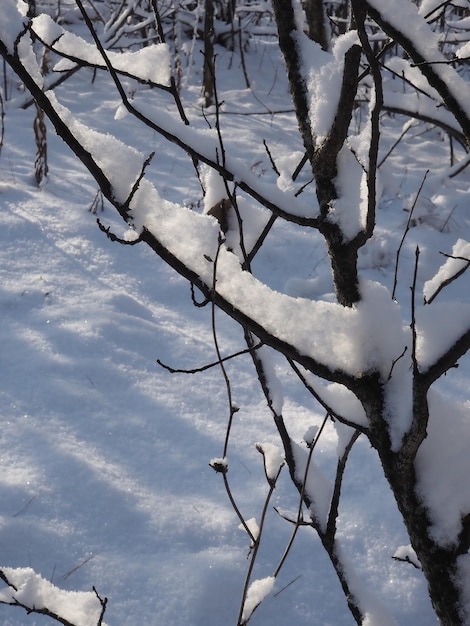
(105, 476)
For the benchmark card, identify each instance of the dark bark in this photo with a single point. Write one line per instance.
(343, 259)
(209, 69)
(439, 564)
(343, 254)
(315, 13)
(287, 32)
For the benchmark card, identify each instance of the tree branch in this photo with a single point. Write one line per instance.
(428, 70)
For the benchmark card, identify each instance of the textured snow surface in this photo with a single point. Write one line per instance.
(105, 475)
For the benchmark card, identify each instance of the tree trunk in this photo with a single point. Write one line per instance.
(439, 564)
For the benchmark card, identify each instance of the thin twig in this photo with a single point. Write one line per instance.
(322, 402)
(330, 534)
(77, 567)
(294, 580)
(203, 368)
(414, 359)
(197, 304)
(270, 156)
(254, 554)
(407, 228)
(173, 87)
(259, 242)
(104, 604)
(360, 16)
(301, 498)
(395, 361)
(137, 182)
(112, 237)
(407, 127)
(231, 405)
(23, 509)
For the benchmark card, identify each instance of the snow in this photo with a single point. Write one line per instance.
(273, 460)
(274, 385)
(374, 611)
(151, 63)
(406, 553)
(104, 148)
(105, 475)
(333, 341)
(317, 486)
(350, 209)
(252, 526)
(215, 189)
(435, 338)
(407, 19)
(325, 75)
(257, 592)
(13, 22)
(457, 261)
(443, 469)
(30, 589)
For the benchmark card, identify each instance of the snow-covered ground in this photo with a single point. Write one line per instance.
(105, 456)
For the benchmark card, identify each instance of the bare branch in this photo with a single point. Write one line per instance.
(203, 368)
(303, 499)
(330, 533)
(407, 228)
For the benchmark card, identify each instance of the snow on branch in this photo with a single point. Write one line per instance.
(273, 460)
(337, 343)
(28, 590)
(149, 64)
(456, 264)
(402, 22)
(442, 468)
(257, 592)
(13, 22)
